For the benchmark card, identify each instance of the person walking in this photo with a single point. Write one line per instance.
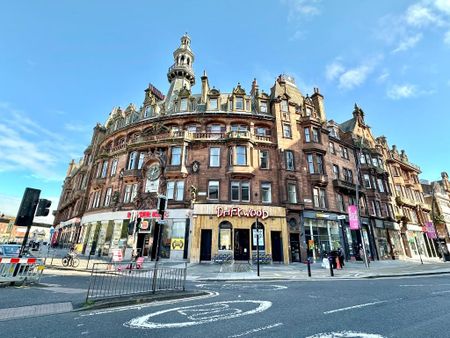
(341, 257)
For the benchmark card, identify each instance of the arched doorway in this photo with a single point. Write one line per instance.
(225, 239)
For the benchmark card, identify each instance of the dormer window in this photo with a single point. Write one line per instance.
(239, 103)
(184, 104)
(148, 111)
(213, 104)
(263, 107)
(284, 105)
(308, 111)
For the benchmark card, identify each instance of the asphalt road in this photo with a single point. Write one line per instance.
(407, 307)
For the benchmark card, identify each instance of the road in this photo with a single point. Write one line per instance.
(407, 307)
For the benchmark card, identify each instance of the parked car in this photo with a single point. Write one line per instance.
(9, 250)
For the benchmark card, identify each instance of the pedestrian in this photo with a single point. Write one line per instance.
(341, 257)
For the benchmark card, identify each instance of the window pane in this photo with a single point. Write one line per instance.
(170, 189)
(319, 164)
(180, 191)
(263, 107)
(141, 160)
(176, 156)
(310, 164)
(239, 103)
(183, 105)
(245, 191)
(241, 155)
(284, 105)
(287, 130)
(292, 193)
(224, 239)
(213, 104)
(213, 190)
(289, 160)
(307, 135)
(266, 193)
(214, 157)
(235, 191)
(264, 159)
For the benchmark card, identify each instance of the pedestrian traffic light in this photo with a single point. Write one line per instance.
(162, 204)
(43, 207)
(138, 223)
(27, 207)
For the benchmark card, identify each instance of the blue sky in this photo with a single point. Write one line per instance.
(65, 64)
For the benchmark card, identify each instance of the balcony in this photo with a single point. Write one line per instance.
(345, 186)
(241, 169)
(314, 147)
(238, 135)
(400, 200)
(132, 173)
(319, 179)
(425, 206)
(208, 135)
(173, 171)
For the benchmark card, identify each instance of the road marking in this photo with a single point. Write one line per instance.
(439, 292)
(256, 330)
(345, 334)
(143, 306)
(355, 307)
(200, 314)
(240, 286)
(407, 285)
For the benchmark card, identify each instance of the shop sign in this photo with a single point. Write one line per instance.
(430, 230)
(177, 244)
(353, 217)
(341, 217)
(260, 233)
(117, 255)
(148, 214)
(239, 212)
(320, 215)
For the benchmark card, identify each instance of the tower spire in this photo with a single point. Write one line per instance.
(181, 74)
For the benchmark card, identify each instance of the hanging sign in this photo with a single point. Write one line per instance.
(353, 217)
(431, 233)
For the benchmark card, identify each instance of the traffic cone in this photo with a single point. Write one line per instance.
(338, 264)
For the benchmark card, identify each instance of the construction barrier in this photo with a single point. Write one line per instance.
(22, 270)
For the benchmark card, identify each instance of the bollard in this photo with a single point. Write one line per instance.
(308, 262)
(330, 260)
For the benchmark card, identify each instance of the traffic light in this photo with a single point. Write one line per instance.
(43, 207)
(162, 204)
(27, 207)
(130, 228)
(138, 223)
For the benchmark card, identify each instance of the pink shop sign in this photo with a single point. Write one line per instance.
(353, 217)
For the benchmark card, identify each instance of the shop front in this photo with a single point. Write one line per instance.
(239, 232)
(416, 241)
(104, 232)
(381, 240)
(322, 233)
(394, 239)
(68, 233)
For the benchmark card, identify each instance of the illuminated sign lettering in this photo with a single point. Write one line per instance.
(239, 212)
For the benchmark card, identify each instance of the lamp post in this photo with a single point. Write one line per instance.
(257, 246)
(433, 197)
(358, 168)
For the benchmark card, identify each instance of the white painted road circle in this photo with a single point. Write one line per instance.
(345, 334)
(200, 314)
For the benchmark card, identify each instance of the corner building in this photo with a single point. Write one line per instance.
(227, 161)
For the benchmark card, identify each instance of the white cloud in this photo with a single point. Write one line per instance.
(301, 8)
(298, 35)
(443, 6)
(447, 38)
(419, 15)
(397, 92)
(383, 76)
(27, 147)
(334, 70)
(408, 43)
(349, 78)
(83, 128)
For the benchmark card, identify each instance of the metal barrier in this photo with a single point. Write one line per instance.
(120, 279)
(20, 270)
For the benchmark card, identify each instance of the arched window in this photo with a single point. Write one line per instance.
(225, 237)
(261, 244)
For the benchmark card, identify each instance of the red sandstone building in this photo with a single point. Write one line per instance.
(225, 160)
